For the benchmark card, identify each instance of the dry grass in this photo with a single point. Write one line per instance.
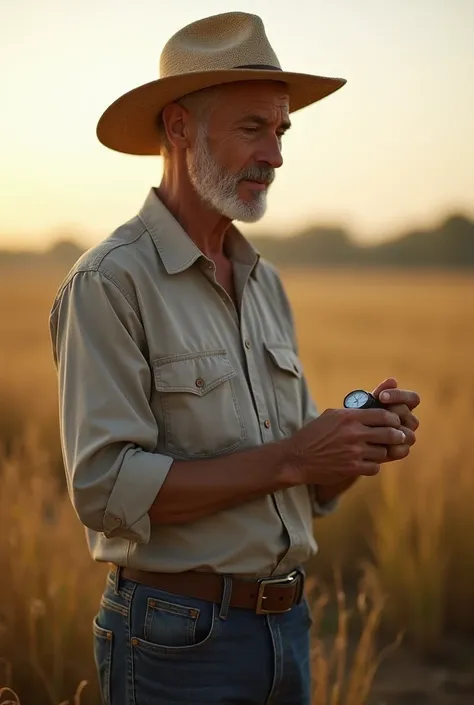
(413, 521)
(414, 518)
(343, 675)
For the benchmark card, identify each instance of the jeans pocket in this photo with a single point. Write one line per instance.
(103, 639)
(170, 624)
(173, 623)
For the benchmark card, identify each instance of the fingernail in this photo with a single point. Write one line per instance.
(385, 396)
(403, 436)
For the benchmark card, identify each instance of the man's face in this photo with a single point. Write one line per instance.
(238, 147)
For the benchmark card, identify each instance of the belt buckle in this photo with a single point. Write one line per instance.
(263, 582)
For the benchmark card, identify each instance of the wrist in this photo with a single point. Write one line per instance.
(326, 493)
(290, 469)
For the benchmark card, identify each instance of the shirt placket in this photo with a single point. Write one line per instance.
(296, 549)
(252, 348)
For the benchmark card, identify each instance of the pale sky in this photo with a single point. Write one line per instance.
(392, 149)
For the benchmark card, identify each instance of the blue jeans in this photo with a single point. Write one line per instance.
(153, 647)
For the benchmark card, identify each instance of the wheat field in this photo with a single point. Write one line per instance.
(407, 532)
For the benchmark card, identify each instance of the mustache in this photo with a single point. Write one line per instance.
(265, 173)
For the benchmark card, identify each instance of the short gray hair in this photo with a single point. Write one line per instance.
(199, 103)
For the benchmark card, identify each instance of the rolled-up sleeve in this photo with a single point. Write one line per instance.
(108, 431)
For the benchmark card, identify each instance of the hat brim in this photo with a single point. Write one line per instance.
(129, 125)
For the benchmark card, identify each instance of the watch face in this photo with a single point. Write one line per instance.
(356, 399)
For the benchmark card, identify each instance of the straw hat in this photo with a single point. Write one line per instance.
(220, 49)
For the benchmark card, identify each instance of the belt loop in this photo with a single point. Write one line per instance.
(118, 568)
(226, 595)
(301, 585)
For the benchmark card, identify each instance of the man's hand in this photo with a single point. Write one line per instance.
(343, 444)
(401, 402)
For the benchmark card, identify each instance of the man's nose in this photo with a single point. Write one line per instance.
(271, 153)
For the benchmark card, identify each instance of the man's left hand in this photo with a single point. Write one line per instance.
(402, 402)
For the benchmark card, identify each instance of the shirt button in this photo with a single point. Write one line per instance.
(267, 423)
(247, 344)
(199, 382)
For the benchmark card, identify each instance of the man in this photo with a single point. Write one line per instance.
(194, 453)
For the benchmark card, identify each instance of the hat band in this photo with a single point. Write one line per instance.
(260, 67)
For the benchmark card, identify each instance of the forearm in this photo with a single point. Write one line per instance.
(197, 488)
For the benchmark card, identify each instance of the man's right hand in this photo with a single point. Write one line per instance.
(344, 443)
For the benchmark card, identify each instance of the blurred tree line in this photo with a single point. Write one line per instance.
(450, 245)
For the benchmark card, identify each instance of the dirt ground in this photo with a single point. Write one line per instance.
(407, 679)
(406, 676)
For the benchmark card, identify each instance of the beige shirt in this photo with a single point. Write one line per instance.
(155, 363)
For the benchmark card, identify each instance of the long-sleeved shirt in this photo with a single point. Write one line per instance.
(156, 363)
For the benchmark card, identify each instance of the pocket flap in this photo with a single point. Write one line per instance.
(285, 358)
(196, 373)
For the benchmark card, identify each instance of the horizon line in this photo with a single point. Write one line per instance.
(73, 235)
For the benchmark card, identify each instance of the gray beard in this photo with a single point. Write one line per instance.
(217, 186)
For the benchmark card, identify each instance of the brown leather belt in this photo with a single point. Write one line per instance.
(264, 596)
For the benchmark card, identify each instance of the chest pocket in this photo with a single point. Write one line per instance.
(286, 372)
(201, 415)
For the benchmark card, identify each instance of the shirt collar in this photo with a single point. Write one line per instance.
(176, 249)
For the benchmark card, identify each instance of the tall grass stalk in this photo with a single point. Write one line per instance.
(49, 583)
(345, 665)
(421, 511)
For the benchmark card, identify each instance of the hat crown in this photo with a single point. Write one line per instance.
(220, 42)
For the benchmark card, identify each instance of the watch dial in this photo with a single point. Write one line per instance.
(357, 399)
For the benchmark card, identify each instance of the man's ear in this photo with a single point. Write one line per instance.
(176, 123)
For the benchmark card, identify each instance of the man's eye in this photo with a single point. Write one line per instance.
(250, 129)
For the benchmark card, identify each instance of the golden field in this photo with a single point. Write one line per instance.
(412, 525)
